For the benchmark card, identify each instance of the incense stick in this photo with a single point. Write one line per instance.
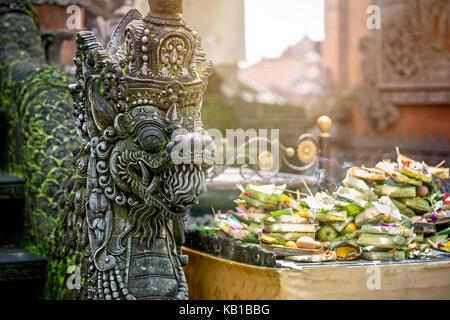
(306, 186)
(297, 193)
(440, 163)
(291, 191)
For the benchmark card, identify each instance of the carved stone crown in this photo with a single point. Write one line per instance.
(162, 54)
(155, 61)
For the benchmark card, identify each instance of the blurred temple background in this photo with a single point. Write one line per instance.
(379, 68)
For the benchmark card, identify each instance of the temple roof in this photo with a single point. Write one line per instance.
(295, 75)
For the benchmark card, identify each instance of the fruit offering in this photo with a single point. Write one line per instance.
(389, 212)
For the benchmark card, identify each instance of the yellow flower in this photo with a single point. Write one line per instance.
(286, 198)
(402, 227)
(302, 213)
(290, 244)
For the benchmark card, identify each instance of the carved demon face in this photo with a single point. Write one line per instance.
(157, 159)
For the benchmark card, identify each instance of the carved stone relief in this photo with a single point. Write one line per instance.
(407, 61)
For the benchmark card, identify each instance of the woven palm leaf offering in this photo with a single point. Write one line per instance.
(280, 222)
(393, 211)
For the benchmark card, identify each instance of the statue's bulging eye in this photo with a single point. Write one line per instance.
(151, 139)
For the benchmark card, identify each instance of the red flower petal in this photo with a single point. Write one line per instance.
(406, 163)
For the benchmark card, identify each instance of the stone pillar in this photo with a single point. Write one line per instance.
(165, 6)
(222, 27)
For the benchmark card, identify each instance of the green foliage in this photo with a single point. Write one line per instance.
(40, 135)
(217, 114)
(206, 229)
(38, 104)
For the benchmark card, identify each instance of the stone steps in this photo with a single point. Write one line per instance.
(22, 273)
(3, 135)
(12, 201)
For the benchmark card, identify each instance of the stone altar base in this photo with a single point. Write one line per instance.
(213, 278)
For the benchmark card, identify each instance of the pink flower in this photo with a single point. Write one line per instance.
(241, 213)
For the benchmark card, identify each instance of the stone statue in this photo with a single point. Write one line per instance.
(137, 105)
